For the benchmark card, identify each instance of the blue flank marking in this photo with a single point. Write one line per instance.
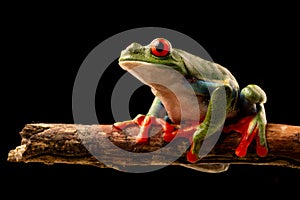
(202, 87)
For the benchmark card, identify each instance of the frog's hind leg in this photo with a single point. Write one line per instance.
(252, 126)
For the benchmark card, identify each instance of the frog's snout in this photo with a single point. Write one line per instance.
(130, 51)
(133, 48)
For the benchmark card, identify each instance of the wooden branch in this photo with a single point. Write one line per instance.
(104, 146)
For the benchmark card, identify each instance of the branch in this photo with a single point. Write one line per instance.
(103, 146)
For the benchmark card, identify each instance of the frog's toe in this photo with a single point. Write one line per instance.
(247, 138)
(123, 125)
(250, 127)
(142, 138)
(247, 127)
(187, 133)
(261, 151)
(168, 136)
(193, 153)
(168, 130)
(192, 157)
(145, 125)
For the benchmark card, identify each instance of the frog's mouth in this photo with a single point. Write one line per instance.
(131, 64)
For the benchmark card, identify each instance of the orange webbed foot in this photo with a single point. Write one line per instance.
(145, 122)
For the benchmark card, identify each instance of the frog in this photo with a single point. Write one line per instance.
(244, 110)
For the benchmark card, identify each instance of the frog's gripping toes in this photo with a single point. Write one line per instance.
(205, 79)
(252, 126)
(145, 122)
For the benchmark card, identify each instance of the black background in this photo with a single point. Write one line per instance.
(45, 46)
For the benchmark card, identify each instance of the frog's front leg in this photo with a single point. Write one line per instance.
(210, 126)
(154, 116)
(253, 126)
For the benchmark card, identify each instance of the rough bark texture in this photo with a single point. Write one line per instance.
(104, 146)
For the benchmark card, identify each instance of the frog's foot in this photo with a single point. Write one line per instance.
(254, 126)
(192, 156)
(186, 132)
(251, 127)
(145, 122)
(197, 138)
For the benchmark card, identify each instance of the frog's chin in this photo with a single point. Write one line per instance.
(149, 72)
(161, 78)
(135, 68)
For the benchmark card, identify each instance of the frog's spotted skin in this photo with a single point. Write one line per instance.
(244, 110)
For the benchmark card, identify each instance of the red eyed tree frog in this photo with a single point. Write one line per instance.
(244, 111)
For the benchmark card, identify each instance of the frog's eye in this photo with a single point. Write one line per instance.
(160, 47)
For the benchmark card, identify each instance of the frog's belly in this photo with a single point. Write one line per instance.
(190, 108)
(185, 110)
(186, 107)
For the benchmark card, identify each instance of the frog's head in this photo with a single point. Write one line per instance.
(159, 54)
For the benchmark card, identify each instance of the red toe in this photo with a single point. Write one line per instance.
(191, 157)
(241, 151)
(261, 151)
(141, 140)
(169, 136)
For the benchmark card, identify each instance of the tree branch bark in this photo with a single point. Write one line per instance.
(104, 146)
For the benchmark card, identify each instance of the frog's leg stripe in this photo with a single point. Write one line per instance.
(214, 126)
(202, 87)
(157, 109)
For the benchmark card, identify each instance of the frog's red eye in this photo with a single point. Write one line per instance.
(160, 47)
